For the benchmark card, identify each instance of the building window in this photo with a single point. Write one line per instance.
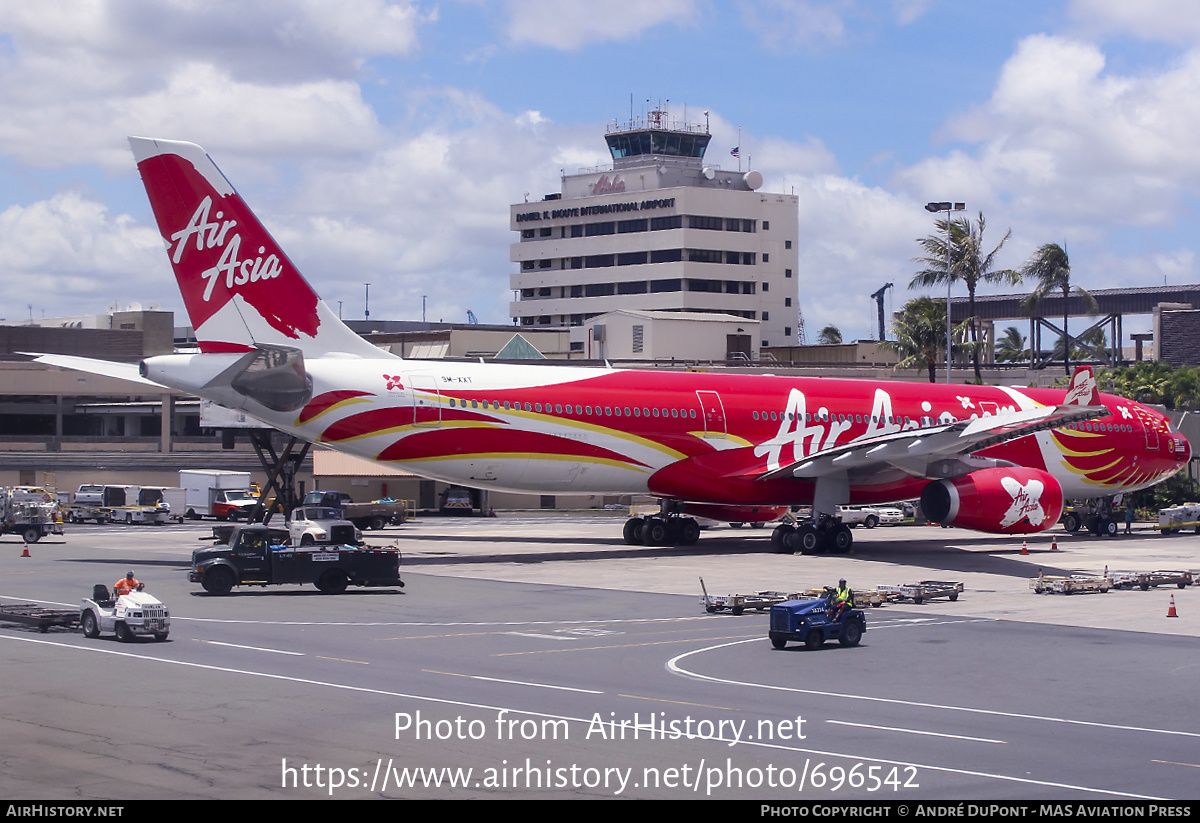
(637, 339)
(766, 257)
(766, 316)
(787, 301)
(787, 244)
(600, 261)
(627, 226)
(787, 272)
(545, 232)
(598, 229)
(787, 331)
(666, 255)
(577, 230)
(766, 227)
(696, 221)
(632, 258)
(766, 286)
(633, 287)
(675, 221)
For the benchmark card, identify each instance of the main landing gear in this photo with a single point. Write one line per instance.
(661, 530)
(828, 534)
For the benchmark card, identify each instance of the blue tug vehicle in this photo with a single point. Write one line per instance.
(812, 622)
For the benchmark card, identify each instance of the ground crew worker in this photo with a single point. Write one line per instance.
(127, 584)
(842, 599)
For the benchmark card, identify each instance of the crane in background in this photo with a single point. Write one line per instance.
(878, 298)
(471, 318)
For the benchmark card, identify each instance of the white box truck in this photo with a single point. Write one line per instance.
(224, 495)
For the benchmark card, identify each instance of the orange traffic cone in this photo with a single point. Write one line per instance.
(1024, 548)
(1171, 611)
(1053, 544)
(26, 552)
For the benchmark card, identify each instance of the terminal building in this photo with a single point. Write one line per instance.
(660, 230)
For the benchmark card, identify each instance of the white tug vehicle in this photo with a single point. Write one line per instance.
(129, 616)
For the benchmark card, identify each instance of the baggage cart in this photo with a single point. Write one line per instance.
(918, 593)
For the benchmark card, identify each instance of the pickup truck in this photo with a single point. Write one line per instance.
(855, 515)
(373, 515)
(310, 525)
(249, 559)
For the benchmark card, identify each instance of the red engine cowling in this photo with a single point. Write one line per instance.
(1009, 500)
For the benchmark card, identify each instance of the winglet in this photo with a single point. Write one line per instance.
(1082, 391)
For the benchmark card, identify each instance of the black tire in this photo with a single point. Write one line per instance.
(124, 635)
(1071, 522)
(779, 537)
(31, 535)
(808, 539)
(814, 640)
(736, 525)
(633, 531)
(218, 581)
(689, 532)
(778, 642)
(736, 610)
(333, 581)
(758, 525)
(88, 622)
(654, 532)
(871, 522)
(953, 596)
(377, 524)
(710, 609)
(307, 540)
(851, 634)
(160, 636)
(1108, 527)
(842, 540)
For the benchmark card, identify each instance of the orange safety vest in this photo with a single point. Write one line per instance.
(125, 586)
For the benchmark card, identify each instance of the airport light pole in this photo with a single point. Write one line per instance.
(934, 208)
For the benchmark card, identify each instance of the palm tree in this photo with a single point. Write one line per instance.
(968, 264)
(919, 335)
(1051, 267)
(830, 335)
(1011, 348)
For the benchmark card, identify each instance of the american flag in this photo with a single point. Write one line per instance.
(735, 151)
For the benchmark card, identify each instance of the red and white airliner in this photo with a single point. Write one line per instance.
(737, 448)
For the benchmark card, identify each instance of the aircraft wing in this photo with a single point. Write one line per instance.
(915, 450)
(104, 368)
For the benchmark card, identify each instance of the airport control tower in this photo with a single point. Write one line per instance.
(660, 229)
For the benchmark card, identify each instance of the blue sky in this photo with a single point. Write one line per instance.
(382, 141)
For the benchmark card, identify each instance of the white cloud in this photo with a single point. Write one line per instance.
(1062, 135)
(72, 248)
(571, 24)
(1169, 21)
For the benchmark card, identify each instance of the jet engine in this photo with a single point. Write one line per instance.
(1005, 500)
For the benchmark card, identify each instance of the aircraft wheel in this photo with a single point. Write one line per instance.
(633, 531)
(689, 532)
(654, 532)
(779, 537)
(808, 538)
(841, 540)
